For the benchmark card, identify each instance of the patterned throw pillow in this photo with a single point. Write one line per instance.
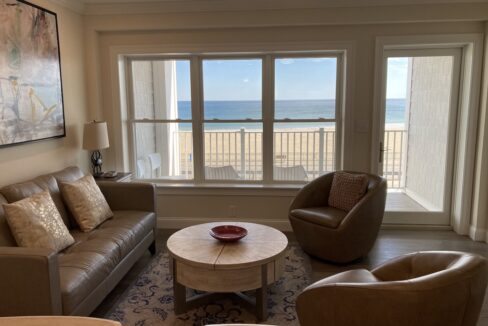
(86, 202)
(35, 222)
(347, 190)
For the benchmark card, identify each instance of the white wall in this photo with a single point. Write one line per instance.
(358, 27)
(430, 98)
(22, 162)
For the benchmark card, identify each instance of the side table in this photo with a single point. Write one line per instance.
(121, 177)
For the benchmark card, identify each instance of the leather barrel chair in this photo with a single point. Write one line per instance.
(424, 288)
(332, 234)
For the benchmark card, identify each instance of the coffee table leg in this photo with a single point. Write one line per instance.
(262, 295)
(179, 292)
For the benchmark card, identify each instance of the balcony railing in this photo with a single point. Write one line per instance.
(314, 150)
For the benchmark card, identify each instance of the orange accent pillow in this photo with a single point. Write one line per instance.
(347, 190)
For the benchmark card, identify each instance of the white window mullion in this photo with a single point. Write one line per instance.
(339, 136)
(268, 116)
(197, 116)
(130, 116)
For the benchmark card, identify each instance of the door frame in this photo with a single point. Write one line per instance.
(463, 161)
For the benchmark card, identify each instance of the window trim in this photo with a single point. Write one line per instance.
(267, 120)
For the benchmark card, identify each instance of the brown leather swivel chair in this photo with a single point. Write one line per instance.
(423, 288)
(330, 233)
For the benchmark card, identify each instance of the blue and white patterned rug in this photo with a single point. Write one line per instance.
(149, 301)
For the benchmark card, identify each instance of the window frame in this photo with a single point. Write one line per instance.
(338, 105)
(268, 110)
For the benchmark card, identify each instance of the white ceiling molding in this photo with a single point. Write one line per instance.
(107, 7)
(76, 6)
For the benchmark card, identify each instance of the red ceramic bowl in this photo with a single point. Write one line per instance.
(228, 233)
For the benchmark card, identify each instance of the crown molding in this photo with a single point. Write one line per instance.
(116, 7)
(76, 6)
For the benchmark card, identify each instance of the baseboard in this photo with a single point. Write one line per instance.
(416, 227)
(282, 225)
(478, 234)
(183, 222)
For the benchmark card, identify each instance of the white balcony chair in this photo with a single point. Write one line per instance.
(221, 173)
(141, 169)
(290, 173)
(155, 163)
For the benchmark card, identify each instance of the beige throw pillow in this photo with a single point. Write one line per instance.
(35, 222)
(347, 190)
(86, 202)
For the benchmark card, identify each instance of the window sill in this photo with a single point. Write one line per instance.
(227, 189)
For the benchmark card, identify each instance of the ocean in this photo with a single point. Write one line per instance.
(292, 109)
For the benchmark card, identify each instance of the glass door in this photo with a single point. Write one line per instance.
(417, 140)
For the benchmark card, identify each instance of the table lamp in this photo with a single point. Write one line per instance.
(95, 137)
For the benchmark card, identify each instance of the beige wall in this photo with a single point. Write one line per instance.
(428, 130)
(479, 223)
(205, 30)
(21, 162)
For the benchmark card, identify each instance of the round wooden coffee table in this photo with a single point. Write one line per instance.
(203, 263)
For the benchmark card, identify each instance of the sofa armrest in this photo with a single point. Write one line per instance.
(129, 195)
(29, 282)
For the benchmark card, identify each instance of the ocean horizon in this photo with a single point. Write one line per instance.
(291, 109)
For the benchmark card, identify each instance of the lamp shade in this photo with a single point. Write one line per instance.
(95, 135)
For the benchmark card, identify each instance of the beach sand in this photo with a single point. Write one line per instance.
(293, 147)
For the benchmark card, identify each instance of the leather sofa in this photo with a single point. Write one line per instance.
(421, 289)
(76, 280)
(332, 234)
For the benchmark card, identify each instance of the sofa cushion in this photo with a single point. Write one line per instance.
(19, 191)
(324, 216)
(48, 182)
(84, 265)
(6, 237)
(35, 223)
(86, 202)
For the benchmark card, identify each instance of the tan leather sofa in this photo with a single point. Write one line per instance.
(332, 234)
(423, 288)
(75, 281)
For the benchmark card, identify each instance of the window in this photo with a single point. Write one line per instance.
(262, 118)
(161, 119)
(232, 110)
(305, 111)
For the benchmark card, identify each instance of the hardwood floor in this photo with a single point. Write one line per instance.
(390, 243)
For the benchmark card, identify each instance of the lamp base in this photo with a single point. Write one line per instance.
(96, 161)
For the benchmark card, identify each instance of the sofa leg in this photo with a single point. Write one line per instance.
(152, 248)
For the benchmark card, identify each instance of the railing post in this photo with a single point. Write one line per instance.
(243, 153)
(321, 151)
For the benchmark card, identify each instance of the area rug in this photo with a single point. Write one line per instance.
(149, 301)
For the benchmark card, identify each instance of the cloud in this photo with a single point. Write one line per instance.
(246, 80)
(286, 61)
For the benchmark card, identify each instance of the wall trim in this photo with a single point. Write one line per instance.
(478, 234)
(395, 11)
(76, 6)
(280, 224)
(183, 222)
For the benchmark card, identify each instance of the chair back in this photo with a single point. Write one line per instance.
(155, 163)
(294, 173)
(221, 173)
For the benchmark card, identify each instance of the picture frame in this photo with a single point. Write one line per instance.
(31, 88)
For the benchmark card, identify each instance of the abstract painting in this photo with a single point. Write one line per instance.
(31, 96)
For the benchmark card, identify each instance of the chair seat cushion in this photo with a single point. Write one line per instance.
(324, 216)
(85, 265)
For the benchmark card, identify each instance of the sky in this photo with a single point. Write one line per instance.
(295, 79)
(396, 85)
